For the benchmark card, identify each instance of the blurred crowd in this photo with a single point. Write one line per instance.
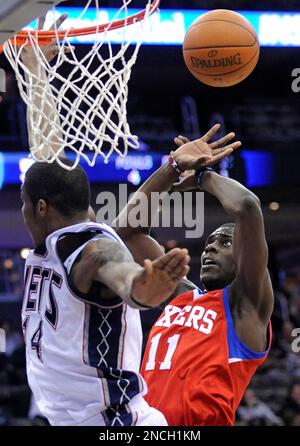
(16, 405)
(273, 397)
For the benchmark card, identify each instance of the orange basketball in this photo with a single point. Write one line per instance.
(221, 48)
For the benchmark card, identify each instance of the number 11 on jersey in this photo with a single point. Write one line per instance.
(167, 362)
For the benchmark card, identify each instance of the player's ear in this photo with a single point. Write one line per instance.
(41, 208)
(92, 215)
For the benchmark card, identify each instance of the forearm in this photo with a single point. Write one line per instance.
(233, 196)
(161, 181)
(119, 278)
(47, 137)
(111, 263)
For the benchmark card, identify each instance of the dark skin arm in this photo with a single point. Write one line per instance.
(190, 155)
(138, 240)
(251, 294)
(110, 263)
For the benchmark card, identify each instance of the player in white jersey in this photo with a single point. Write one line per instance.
(80, 312)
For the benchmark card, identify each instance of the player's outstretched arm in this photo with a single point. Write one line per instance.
(109, 262)
(252, 285)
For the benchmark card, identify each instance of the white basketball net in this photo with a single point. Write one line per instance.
(90, 116)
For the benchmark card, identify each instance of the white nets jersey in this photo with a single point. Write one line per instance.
(83, 352)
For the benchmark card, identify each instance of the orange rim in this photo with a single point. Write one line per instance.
(45, 37)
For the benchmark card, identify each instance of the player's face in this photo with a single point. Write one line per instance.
(217, 261)
(35, 228)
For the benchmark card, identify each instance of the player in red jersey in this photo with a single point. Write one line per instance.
(206, 345)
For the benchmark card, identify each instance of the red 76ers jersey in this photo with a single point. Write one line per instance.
(195, 366)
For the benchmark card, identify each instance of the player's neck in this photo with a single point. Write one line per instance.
(58, 221)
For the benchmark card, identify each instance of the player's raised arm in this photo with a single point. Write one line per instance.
(138, 239)
(45, 108)
(189, 155)
(252, 286)
(109, 262)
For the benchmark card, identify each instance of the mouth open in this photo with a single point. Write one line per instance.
(209, 262)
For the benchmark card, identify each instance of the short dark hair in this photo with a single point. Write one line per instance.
(68, 191)
(228, 227)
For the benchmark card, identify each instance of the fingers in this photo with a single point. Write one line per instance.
(148, 265)
(185, 271)
(67, 49)
(180, 140)
(177, 260)
(59, 21)
(216, 159)
(41, 22)
(172, 259)
(181, 269)
(52, 52)
(163, 260)
(220, 154)
(233, 146)
(178, 263)
(211, 132)
(221, 142)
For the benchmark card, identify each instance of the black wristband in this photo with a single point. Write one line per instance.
(143, 306)
(199, 174)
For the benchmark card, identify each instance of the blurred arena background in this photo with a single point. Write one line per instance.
(164, 101)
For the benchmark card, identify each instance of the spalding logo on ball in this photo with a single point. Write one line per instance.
(221, 48)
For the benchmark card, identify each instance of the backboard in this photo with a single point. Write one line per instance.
(16, 14)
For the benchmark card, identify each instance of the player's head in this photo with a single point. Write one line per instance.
(218, 267)
(53, 197)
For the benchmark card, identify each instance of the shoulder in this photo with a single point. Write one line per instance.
(243, 316)
(106, 249)
(186, 297)
(242, 304)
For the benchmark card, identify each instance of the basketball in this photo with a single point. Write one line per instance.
(221, 48)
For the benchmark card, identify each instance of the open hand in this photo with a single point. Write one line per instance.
(159, 278)
(192, 155)
(29, 56)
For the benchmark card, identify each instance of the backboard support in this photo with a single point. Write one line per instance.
(16, 14)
